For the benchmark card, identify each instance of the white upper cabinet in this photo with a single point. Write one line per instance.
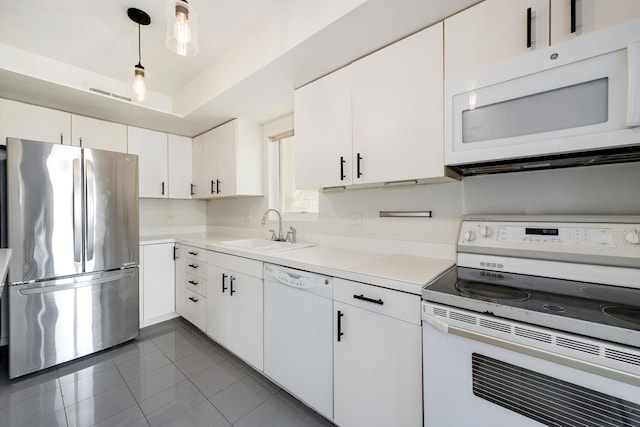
(492, 31)
(227, 161)
(100, 134)
(179, 154)
(322, 124)
(590, 15)
(151, 148)
(26, 121)
(495, 30)
(397, 111)
(377, 121)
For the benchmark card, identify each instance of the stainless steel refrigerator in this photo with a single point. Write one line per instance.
(73, 227)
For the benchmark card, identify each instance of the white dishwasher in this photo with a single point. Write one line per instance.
(298, 334)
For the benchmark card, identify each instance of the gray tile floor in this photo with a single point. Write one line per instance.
(173, 375)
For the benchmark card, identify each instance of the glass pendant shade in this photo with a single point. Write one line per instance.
(182, 28)
(138, 82)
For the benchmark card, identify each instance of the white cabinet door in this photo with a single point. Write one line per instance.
(158, 281)
(151, 148)
(100, 134)
(179, 156)
(218, 305)
(377, 370)
(246, 295)
(225, 138)
(206, 185)
(26, 121)
(492, 31)
(398, 112)
(323, 132)
(181, 277)
(591, 15)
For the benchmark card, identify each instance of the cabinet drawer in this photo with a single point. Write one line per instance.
(196, 254)
(391, 303)
(196, 284)
(196, 268)
(195, 309)
(235, 263)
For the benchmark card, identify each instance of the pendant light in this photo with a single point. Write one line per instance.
(139, 84)
(182, 27)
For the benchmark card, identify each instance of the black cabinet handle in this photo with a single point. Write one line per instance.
(232, 280)
(212, 187)
(193, 253)
(193, 265)
(340, 333)
(342, 176)
(193, 299)
(573, 16)
(193, 282)
(358, 172)
(192, 192)
(175, 250)
(81, 137)
(163, 188)
(363, 298)
(61, 138)
(218, 186)
(224, 288)
(528, 27)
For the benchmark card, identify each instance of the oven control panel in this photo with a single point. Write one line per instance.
(510, 238)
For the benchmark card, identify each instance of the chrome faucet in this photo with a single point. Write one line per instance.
(280, 236)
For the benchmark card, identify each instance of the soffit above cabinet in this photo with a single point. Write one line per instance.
(248, 68)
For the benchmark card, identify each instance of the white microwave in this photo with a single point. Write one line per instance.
(549, 107)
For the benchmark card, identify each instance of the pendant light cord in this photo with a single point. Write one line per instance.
(139, 50)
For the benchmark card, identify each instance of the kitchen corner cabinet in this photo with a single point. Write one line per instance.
(179, 158)
(377, 356)
(93, 133)
(591, 15)
(492, 31)
(227, 161)
(151, 148)
(235, 305)
(157, 289)
(378, 120)
(26, 121)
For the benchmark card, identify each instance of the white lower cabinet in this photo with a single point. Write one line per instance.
(235, 305)
(377, 356)
(191, 285)
(157, 289)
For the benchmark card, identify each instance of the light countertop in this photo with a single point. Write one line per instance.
(407, 273)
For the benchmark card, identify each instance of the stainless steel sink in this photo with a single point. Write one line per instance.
(264, 245)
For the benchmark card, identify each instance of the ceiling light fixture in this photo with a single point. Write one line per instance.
(182, 28)
(139, 84)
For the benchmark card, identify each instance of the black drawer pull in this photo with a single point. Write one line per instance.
(194, 265)
(193, 253)
(193, 282)
(363, 298)
(193, 299)
(340, 333)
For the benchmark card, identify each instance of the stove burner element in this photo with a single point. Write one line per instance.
(624, 313)
(492, 292)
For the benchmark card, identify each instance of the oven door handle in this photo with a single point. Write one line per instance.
(592, 368)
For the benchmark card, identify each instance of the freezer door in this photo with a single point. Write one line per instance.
(44, 195)
(111, 210)
(56, 321)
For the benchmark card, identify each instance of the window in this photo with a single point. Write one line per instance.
(283, 194)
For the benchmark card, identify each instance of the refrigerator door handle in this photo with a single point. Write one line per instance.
(75, 282)
(77, 211)
(90, 209)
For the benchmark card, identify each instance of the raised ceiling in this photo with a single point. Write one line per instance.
(252, 54)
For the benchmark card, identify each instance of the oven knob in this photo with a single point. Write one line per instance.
(469, 236)
(485, 231)
(633, 237)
